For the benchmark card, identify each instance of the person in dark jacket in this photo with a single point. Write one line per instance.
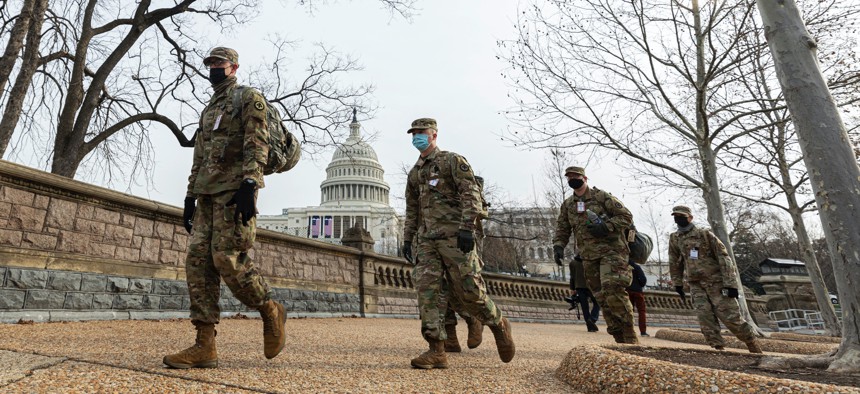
(582, 294)
(637, 298)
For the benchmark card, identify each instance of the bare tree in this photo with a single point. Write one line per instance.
(109, 76)
(29, 13)
(769, 160)
(829, 157)
(556, 188)
(649, 79)
(658, 230)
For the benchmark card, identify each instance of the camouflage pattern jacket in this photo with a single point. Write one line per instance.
(228, 150)
(442, 196)
(572, 219)
(700, 255)
(485, 214)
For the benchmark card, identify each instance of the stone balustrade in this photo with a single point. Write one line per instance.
(70, 251)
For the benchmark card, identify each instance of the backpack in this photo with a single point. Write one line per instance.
(284, 149)
(640, 247)
(641, 244)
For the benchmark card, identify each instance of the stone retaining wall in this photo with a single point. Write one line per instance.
(70, 250)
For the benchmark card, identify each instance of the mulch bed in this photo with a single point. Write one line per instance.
(738, 362)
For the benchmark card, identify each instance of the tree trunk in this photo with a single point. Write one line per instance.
(16, 42)
(819, 287)
(70, 145)
(710, 184)
(717, 221)
(832, 166)
(822, 296)
(14, 105)
(61, 163)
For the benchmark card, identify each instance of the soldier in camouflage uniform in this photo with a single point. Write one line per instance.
(229, 154)
(476, 329)
(699, 255)
(443, 206)
(603, 247)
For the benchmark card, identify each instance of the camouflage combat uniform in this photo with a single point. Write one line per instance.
(450, 317)
(700, 256)
(227, 151)
(604, 259)
(442, 198)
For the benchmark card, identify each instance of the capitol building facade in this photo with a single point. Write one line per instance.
(354, 192)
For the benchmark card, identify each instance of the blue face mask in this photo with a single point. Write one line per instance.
(421, 141)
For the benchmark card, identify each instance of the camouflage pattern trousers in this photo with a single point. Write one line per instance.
(450, 317)
(608, 279)
(219, 249)
(711, 305)
(445, 274)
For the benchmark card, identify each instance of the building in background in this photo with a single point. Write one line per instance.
(519, 240)
(354, 192)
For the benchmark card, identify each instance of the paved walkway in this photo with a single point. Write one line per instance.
(322, 355)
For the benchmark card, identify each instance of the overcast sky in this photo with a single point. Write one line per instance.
(441, 64)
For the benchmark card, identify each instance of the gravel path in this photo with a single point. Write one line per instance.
(322, 355)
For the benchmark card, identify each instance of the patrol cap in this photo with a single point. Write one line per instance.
(222, 53)
(682, 210)
(422, 123)
(575, 170)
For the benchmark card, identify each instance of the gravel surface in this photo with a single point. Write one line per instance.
(322, 355)
(90, 378)
(16, 366)
(788, 336)
(767, 345)
(626, 373)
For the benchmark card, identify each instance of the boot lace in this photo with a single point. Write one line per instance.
(269, 322)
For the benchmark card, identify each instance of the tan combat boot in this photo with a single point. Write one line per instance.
(628, 335)
(617, 335)
(200, 355)
(476, 333)
(433, 358)
(753, 346)
(504, 340)
(452, 344)
(274, 335)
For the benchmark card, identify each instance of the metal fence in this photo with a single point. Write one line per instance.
(797, 320)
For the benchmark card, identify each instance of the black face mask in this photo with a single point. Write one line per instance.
(217, 75)
(682, 221)
(575, 183)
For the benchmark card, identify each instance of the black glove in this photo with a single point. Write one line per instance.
(558, 252)
(407, 251)
(680, 291)
(598, 230)
(731, 292)
(188, 213)
(465, 241)
(244, 201)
